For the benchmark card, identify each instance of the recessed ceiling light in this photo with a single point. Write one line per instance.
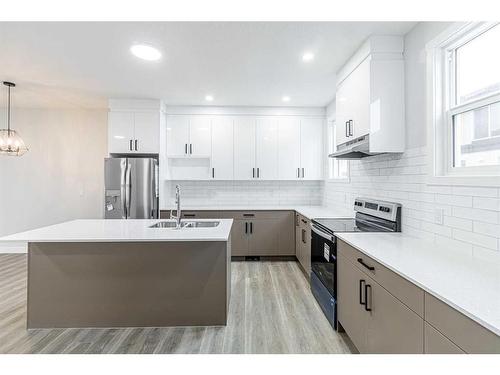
(145, 52)
(308, 56)
(209, 98)
(285, 99)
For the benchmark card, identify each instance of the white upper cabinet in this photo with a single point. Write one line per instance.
(120, 132)
(133, 132)
(147, 132)
(134, 126)
(311, 148)
(189, 136)
(177, 135)
(289, 148)
(222, 148)
(266, 148)
(200, 136)
(244, 148)
(370, 96)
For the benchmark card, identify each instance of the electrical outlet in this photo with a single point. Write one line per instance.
(438, 215)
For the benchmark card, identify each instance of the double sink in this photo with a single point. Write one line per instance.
(186, 224)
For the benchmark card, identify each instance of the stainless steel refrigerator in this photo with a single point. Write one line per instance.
(131, 188)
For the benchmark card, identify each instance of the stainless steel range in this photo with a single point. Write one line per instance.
(371, 216)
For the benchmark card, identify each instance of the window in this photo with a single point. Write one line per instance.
(337, 169)
(466, 101)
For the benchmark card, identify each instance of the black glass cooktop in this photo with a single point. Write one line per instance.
(351, 225)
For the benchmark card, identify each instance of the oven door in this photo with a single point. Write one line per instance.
(324, 258)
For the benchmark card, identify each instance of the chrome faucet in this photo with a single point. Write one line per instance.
(178, 215)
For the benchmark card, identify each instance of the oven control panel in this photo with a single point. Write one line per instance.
(382, 209)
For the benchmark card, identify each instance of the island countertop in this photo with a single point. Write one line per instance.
(131, 230)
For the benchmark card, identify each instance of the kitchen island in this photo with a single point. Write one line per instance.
(124, 273)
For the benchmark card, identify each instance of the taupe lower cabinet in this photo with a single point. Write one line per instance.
(254, 233)
(374, 319)
(385, 313)
(303, 242)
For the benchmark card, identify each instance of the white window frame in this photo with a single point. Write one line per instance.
(331, 123)
(440, 88)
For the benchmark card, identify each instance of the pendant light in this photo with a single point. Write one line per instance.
(10, 141)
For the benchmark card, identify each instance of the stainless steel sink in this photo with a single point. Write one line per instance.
(186, 224)
(200, 224)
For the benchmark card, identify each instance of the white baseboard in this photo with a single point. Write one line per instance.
(13, 248)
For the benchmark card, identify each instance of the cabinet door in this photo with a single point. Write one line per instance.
(200, 136)
(341, 109)
(239, 238)
(360, 100)
(351, 313)
(222, 148)
(437, 343)
(177, 135)
(286, 245)
(391, 326)
(147, 132)
(264, 237)
(266, 145)
(120, 132)
(244, 148)
(288, 148)
(311, 149)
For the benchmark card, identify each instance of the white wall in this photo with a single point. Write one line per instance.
(61, 177)
(471, 214)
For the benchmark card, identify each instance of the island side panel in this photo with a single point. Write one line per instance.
(128, 284)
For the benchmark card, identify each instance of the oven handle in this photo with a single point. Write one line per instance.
(320, 233)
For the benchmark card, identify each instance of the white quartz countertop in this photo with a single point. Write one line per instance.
(467, 283)
(311, 212)
(121, 231)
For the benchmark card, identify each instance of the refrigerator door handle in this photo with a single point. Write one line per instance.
(123, 189)
(128, 188)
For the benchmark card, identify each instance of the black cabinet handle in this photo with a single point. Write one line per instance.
(304, 221)
(191, 148)
(298, 172)
(130, 145)
(185, 148)
(253, 172)
(371, 268)
(251, 228)
(246, 228)
(366, 297)
(303, 172)
(361, 287)
(213, 172)
(136, 145)
(248, 215)
(258, 172)
(189, 215)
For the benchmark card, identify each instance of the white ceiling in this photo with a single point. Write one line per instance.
(239, 63)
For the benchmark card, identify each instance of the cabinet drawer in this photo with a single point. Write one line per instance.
(411, 295)
(461, 330)
(254, 214)
(437, 343)
(201, 214)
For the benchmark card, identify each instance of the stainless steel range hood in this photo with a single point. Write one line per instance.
(356, 149)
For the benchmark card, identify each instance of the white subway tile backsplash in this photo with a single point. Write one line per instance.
(476, 239)
(454, 200)
(471, 214)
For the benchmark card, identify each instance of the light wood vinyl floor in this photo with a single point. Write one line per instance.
(272, 311)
